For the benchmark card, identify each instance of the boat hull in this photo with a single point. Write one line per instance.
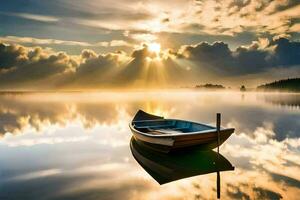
(173, 134)
(207, 140)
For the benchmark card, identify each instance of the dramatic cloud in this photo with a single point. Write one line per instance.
(228, 18)
(212, 17)
(23, 67)
(19, 64)
(257, 57)
(97, 70)
(232, 17)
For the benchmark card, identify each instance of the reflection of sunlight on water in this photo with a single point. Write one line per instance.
(157, 109)
(85, 139)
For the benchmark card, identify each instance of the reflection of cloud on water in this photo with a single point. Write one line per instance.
(35, 175)
(87, 170)
(274, 165)
(40, 111)
(17, 114)
(269, 171)
(81, 170)
(271, 175)
(81, 148)
(105, 135)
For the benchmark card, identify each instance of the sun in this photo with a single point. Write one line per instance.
(154, 47)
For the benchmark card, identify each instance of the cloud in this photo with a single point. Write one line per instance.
(47, 42)
(35, 67)
(286, 52)
(96, 70)
(255, 58)
(119, 43)
(11, 55)
(19, 64)
(31, 16)
(232, 17)
(37, 41)
(207, 17)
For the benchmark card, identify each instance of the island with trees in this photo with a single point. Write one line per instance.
(210, 86)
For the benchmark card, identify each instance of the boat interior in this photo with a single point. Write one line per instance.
(168, 126)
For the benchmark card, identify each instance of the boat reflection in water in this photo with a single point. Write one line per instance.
(165, 168)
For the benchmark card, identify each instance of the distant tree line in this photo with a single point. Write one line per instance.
(292, 85)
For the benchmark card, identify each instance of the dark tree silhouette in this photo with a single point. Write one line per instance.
(210, 86)
(292, 85)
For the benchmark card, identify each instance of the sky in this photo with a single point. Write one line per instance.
(96, 44)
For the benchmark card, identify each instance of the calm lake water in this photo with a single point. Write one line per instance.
(77, 145)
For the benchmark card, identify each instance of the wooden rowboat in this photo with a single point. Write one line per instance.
(171, 134)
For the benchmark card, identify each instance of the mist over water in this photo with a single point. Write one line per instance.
(76, 145)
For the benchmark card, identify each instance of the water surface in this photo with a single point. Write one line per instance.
(76, 145)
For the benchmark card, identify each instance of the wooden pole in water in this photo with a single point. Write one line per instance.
(218, 172)
(218, 128)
